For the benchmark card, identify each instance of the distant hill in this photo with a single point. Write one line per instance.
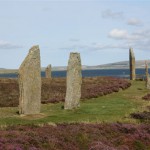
(7, 71)
(116, 65)
(122, 65)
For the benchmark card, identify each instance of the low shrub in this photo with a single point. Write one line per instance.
(115, 136)
(146, 97)
(145, 115)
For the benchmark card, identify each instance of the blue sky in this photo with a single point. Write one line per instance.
(100, 30)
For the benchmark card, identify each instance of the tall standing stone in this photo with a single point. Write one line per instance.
(74, 81)
(132, 64)
(147, 76)
(48, 71)
(30, 83)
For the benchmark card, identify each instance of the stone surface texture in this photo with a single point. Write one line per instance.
(74, 81)
(132, 64)
(147, 76)
(30, 83)
(48, 71)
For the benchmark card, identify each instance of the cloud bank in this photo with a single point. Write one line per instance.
(121, 40)
(139, 39)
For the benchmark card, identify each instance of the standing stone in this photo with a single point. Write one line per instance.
(132, 64)
(147, 76)
(74, 81)
(30, 83)
(48, 73)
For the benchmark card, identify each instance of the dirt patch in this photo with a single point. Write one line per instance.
(33, 116)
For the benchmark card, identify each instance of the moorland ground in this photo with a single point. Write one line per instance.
(103, 122)
(54, 90)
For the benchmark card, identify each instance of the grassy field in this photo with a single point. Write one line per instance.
(110, 108)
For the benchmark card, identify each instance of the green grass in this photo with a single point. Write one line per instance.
(111, 108)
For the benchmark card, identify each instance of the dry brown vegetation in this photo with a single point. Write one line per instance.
(53, 90)
(9, 92)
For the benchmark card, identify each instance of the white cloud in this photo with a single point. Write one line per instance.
(8, 45)
(134, 22)
(113, 15)
(118, 34)
(139, 39)
(124, 35)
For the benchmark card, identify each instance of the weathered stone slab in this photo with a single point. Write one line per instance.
(74, 81)
(30, 83)
(48, 71)
(147, 76)
(132, 64)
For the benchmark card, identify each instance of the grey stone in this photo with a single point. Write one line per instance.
(30, 83)
(132, 64)
(147, 76)
(74, 81)
(48, 71)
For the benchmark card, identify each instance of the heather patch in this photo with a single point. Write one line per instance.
(54, 90)
(115, 136)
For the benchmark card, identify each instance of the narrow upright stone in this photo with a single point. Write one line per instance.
(48, 71)
(30, 83)
(74, 81)
(147, 76)
(132, 64)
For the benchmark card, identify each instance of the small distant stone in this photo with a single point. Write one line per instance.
(48, 71)
(132, 64)
(147, 76)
